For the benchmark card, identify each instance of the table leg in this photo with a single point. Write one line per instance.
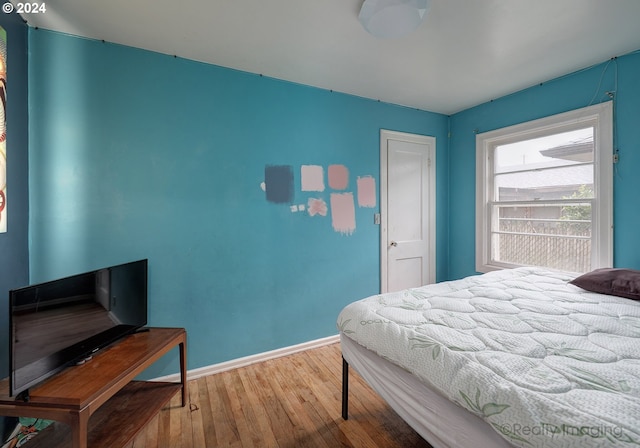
(80, 429)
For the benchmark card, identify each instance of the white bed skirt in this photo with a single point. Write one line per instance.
(439, 421)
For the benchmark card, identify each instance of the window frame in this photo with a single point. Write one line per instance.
(600, 116)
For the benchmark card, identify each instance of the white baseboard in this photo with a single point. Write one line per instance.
(248, 360)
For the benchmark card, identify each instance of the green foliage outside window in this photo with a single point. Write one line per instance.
(578, 212)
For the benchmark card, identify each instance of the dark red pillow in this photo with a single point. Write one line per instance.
(615, 282)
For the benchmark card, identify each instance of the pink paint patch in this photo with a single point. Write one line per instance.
(343, 213)
(366, 191)
(316, 207)
(312, 177)
(338, 177)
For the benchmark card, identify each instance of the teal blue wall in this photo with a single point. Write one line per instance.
(136, 154)
(14, 244)
(559, 95)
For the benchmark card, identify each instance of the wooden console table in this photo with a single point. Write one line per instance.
(103, 386)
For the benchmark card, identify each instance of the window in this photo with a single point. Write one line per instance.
(544, 193)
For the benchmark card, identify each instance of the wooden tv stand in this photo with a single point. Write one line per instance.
(103, 387)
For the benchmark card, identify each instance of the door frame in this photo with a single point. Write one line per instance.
(385, 136)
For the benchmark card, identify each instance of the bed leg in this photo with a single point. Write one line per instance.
(345, 389)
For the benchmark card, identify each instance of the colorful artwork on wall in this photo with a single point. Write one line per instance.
(278, 185)
(3, 130)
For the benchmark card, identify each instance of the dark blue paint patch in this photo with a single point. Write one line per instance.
(278, 180)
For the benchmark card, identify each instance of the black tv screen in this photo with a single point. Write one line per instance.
(60, 322)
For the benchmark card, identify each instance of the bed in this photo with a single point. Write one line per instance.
(518, 357)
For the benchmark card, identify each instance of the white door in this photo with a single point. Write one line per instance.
(407, 210)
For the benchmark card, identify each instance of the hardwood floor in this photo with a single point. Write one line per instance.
(289, 402)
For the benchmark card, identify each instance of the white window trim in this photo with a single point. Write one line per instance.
(600, 116)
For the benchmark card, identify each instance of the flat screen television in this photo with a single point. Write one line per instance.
(61, 322)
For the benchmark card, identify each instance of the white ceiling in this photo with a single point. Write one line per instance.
(467, 51)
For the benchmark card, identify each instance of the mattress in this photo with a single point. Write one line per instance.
(440, 421)
(542, 362)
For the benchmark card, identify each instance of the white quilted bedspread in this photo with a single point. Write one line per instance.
(542, 361)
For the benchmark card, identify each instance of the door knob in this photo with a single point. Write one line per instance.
(393, 244)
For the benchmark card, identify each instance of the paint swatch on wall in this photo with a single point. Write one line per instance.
(366, 191)
(316, 206)
(343, 213)
(312, 178)
(278, 181)
(338, 177)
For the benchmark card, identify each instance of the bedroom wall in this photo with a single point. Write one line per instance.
(566, 93)
(14, 246)
(135, 154)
